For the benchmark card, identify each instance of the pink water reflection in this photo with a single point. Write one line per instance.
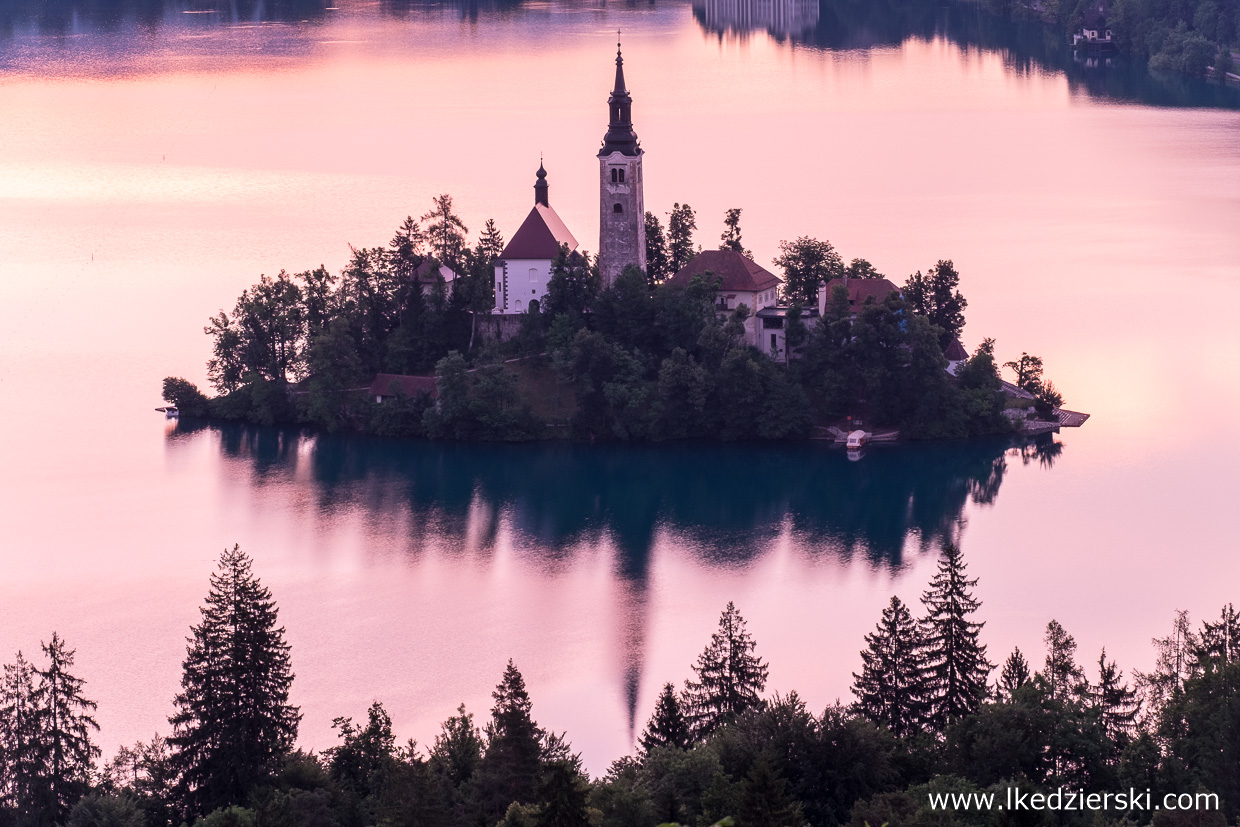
(142, 189)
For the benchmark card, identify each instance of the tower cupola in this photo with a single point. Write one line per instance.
(540, 187)
(620, 136)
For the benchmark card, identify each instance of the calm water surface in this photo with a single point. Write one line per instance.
(153, 167)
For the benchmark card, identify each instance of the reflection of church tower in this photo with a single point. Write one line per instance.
(622, 210)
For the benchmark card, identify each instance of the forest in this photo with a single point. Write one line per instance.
(641, 360)
(929, 718)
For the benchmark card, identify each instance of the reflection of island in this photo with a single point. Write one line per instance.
(782, 18)
(722, 505)
(724, 502)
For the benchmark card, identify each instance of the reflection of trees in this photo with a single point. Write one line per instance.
(782, 18)
(1043, 450)
(725, 502)
(52, 16)
(1025, 45)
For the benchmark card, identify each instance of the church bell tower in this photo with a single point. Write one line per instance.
(622, 210)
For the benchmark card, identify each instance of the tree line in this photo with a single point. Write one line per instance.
(642, 359)
(926, 718)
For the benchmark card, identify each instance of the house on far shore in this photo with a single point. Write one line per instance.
(523, 269)
(740, 281)
(859, 292)
(391, 385)
(430, 272)
(1094, 32)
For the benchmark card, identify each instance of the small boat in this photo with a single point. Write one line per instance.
(169, 411)
(858, 440)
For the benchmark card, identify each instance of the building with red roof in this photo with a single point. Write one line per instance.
(524, 267)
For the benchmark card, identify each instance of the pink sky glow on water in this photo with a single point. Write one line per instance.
(146, 179)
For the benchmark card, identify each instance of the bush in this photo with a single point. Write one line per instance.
(185, 395)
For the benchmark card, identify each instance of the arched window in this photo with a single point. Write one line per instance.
(615, 177)
(621, 175)
(617, 208)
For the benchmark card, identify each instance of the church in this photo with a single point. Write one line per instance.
(523, 269)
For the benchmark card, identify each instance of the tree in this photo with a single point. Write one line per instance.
(445, 230)
(764, 801)
(935, 296)
(1175, 664)
(1028, 370)
(658, 260)
(263, 336)
(363, 753)
(1061, 674)
(490, 241)
(573, 286)
(406, 248)
(731, 238)
(668, 727)
(22, 755)
(1015, 674)
(859, 268)
(65, 724)
(511, 766)
(185, 396)
(807, 262)
(458, 748)
(956, 665)
(1219, 643)
(681, 222)
(730, 676)
(1116, 704)
(233, 725)
(891, 689)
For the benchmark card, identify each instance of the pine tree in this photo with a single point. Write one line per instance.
(21, 748)
(764, 801)
(512, 763)
(956, 665)
(730, 677)
(1015, 674)
(233, 725)
(445, 230)
(1115, 702)
(668, 726)
(65, 725)
(1062, 675)
(891, 689)
(1219, 643)
(458, 748)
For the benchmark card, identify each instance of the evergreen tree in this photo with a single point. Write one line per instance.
(731, 238)
(364, 752)
(681, 222)
(1219, 643)
(1061, 674)
(1015, 674)
(658, 261)
(512, 763)
(1176, 663)
(891, 689)
(668, 727)
(65, 724)
(564, 795)
(490, 241)
(458, 748)
(1116, 704)
(22, 755)
(956, 665)
(730, 676)
(445, 230)
(764, 801)
(233, 724)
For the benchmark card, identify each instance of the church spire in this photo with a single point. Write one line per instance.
(540, 186)
(620, 136)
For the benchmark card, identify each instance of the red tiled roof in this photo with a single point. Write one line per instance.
(955, 351)
(539, 237)
(738, 273)
(860, 290)
(391, 384)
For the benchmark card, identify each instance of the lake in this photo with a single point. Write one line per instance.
(156, 159)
